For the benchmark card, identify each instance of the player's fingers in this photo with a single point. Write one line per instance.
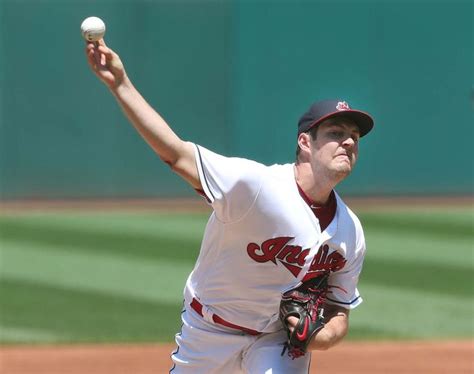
(94, 59)
(89, 53)
(92, 52)
(97, 57)
(103, 59)
(88, 48)
(101, 42)
(91, 60)
(106, 51)
(92, 64)
(292, 322)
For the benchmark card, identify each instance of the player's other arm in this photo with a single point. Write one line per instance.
(177, 153)
(335, 328)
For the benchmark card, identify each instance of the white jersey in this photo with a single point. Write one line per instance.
(263, 239)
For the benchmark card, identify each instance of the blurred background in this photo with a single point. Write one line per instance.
(233, 76)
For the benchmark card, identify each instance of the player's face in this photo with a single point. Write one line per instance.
(336, 147)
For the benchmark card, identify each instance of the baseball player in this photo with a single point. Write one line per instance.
(281, 254)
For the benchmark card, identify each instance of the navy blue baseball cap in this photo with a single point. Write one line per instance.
(323, 110)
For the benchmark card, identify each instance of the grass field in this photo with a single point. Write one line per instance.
(119, 276)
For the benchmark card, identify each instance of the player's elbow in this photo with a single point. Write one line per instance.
(179, 158)
(184, 164)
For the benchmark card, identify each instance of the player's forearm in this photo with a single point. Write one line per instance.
(156, 132)
(151, 126)
(332, 333)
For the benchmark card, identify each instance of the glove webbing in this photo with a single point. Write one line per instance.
(311, 296)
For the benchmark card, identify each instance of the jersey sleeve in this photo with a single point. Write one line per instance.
(230, 184)
(343, 284)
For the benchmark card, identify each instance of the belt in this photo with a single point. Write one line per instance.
(197, 306)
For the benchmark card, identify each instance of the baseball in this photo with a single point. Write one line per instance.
(93, 29)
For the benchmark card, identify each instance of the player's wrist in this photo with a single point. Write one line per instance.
(121, 85)
(323, 340)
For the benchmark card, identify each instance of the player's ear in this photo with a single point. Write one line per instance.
(304, 140)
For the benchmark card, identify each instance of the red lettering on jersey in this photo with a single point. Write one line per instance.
(320, 257)
(291, 250)
(295, 270)
(302, 257)
(269, 249)
(336, 261)
(293, 256)
(309, 276)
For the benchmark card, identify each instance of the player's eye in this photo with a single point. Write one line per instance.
(336, 134)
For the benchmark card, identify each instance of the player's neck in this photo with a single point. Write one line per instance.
(317, 189)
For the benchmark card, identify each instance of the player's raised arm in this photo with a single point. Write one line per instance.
(177, 153)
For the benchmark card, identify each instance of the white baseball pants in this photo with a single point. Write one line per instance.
(208, 348)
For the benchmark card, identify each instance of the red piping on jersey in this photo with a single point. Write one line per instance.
(197, 306)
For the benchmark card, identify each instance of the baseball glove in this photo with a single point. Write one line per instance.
(306, 303)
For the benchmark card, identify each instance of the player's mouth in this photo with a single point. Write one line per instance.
(343, 155)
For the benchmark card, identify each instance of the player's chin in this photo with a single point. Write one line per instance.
(343, 169)
(343, 162)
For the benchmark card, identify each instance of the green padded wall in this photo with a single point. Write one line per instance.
(235, 76)
(409, 63)
(63, 135)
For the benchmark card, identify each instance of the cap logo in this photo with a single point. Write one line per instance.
(342, 105)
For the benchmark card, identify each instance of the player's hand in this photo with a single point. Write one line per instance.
(292, 322)
(105, 63)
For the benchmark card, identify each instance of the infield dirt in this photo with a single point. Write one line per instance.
(427, 357)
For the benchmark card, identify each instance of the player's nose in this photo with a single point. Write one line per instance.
(348, 142)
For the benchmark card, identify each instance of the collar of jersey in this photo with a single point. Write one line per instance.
(325, 213)
(312, 204)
